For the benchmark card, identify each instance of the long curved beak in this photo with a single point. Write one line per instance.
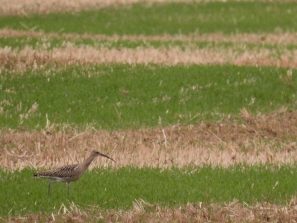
(101, 154)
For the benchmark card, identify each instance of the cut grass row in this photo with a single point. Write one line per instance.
(117, 189)
(171, 18)
(124, 96)
(234, 212)
(50, 43)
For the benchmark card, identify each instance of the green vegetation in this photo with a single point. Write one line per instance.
(171, 18)
(50, 43)
(110, 188)
(123, 96)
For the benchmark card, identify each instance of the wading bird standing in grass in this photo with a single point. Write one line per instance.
(69, 173)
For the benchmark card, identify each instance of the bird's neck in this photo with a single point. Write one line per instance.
(87, 162)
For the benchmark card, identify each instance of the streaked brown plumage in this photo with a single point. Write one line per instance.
(69, 173)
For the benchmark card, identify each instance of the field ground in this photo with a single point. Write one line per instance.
(170, 18)
(248, 140)
(125, 96)
(117, 189)
(145, 212)
(196, 102)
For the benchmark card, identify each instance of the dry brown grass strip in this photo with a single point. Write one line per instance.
(145, 212)
(262, 139)
(21, 7)
(25, 7)
(28, 58)
(257, 38)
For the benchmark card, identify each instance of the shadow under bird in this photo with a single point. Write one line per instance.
(69, 173)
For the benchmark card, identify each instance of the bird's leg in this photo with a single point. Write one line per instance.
(49, 188)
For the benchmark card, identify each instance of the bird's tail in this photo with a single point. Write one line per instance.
(38, 174)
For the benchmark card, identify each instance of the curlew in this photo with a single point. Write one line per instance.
(69, 173)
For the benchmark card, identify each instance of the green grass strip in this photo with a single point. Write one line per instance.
(171, 18)
(124, 96)
(20, 193)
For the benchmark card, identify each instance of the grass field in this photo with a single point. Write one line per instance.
(173, 18)
(196, 101)
(117, 189)
(123, 96)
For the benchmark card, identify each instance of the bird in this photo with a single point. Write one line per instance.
(69, 173)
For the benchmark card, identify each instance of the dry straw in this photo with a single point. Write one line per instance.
(144, 212)
(266, 139)
(25, 7)
(257, 38)
(28, 57)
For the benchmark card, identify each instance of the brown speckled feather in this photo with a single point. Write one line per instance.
(65, 173)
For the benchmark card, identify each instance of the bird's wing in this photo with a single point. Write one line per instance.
(59, 173)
